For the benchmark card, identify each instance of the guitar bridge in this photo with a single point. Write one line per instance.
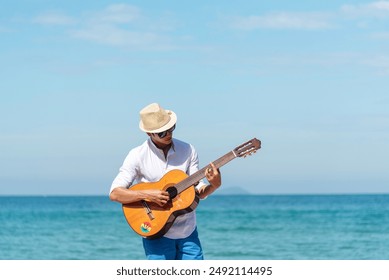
(148, 210)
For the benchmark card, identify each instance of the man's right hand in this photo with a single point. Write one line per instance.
(157, 196)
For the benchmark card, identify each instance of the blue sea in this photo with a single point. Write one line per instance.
(266, 227)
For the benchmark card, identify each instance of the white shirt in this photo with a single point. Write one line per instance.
(147, 163)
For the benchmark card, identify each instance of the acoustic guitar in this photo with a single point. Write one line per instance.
(150, 220)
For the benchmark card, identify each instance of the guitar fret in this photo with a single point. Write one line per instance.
(200, 174)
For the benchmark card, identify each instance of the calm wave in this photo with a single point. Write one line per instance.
(230, 227)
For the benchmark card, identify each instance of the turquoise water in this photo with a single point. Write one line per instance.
(310, 227)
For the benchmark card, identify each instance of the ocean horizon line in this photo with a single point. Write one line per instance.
(215, 194)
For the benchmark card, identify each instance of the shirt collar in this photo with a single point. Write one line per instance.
(158, 150)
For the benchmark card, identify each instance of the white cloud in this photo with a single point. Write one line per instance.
(54, 18)
(119, 25)
(284, 20)
(379, 9)
(313, 20)
(381, 5)
(5, 29)
(380, 35)
(112, 35)
(116, 14)
(380, 62)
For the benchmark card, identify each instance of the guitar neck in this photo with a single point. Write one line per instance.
(194, 178)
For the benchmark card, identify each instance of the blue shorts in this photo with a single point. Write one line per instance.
(174, 249)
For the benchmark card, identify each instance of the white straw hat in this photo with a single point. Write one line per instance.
(155, 119)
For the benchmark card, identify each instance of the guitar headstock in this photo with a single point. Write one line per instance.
(247, 148)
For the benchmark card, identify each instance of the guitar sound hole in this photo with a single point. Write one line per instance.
(172, 192)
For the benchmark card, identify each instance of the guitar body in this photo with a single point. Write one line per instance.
(151, 220)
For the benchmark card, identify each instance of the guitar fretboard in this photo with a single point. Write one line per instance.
(194, 178)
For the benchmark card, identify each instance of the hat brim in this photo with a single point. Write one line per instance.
(170, 124)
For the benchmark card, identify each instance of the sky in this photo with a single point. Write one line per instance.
(310, 79)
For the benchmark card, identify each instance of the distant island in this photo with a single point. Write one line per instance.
(231, 191)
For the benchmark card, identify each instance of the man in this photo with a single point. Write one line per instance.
(148, 162)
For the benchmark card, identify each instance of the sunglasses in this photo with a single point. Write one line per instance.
(164, 133)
